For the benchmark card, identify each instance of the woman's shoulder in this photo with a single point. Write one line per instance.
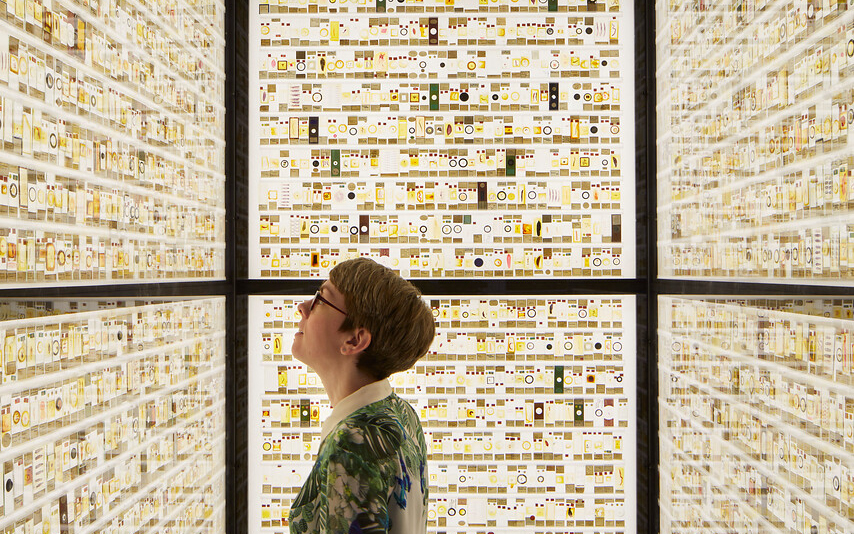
(373, 431)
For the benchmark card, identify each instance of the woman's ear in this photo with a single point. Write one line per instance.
(357, 342)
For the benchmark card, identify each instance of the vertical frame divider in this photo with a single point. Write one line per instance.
(236, 163)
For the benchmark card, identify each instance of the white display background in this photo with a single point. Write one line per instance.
(464, 139)
(506, 452)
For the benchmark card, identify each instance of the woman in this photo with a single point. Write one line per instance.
(364, 324)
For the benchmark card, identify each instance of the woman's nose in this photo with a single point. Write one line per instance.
(304, 307)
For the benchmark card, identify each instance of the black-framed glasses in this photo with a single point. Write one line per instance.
(318, 296)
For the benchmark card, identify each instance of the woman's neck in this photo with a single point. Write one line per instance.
(341, 385)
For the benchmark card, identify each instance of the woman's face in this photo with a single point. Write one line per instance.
(318, 341)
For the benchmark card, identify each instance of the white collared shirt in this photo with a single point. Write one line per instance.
(373, 392)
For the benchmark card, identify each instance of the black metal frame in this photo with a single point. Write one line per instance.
(237, 235)
(647, 317)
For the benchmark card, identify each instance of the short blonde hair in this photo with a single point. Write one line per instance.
(391, 309)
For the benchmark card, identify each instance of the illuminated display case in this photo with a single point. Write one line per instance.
(443, 139)
(755, 105)
(756, 414)
(454, 140)
(528, 405)
(112, 176)
(112, 416)
(111, 143)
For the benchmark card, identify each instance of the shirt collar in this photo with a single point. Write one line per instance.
(373, 392)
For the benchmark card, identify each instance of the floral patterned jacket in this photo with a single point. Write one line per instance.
(371, 470)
